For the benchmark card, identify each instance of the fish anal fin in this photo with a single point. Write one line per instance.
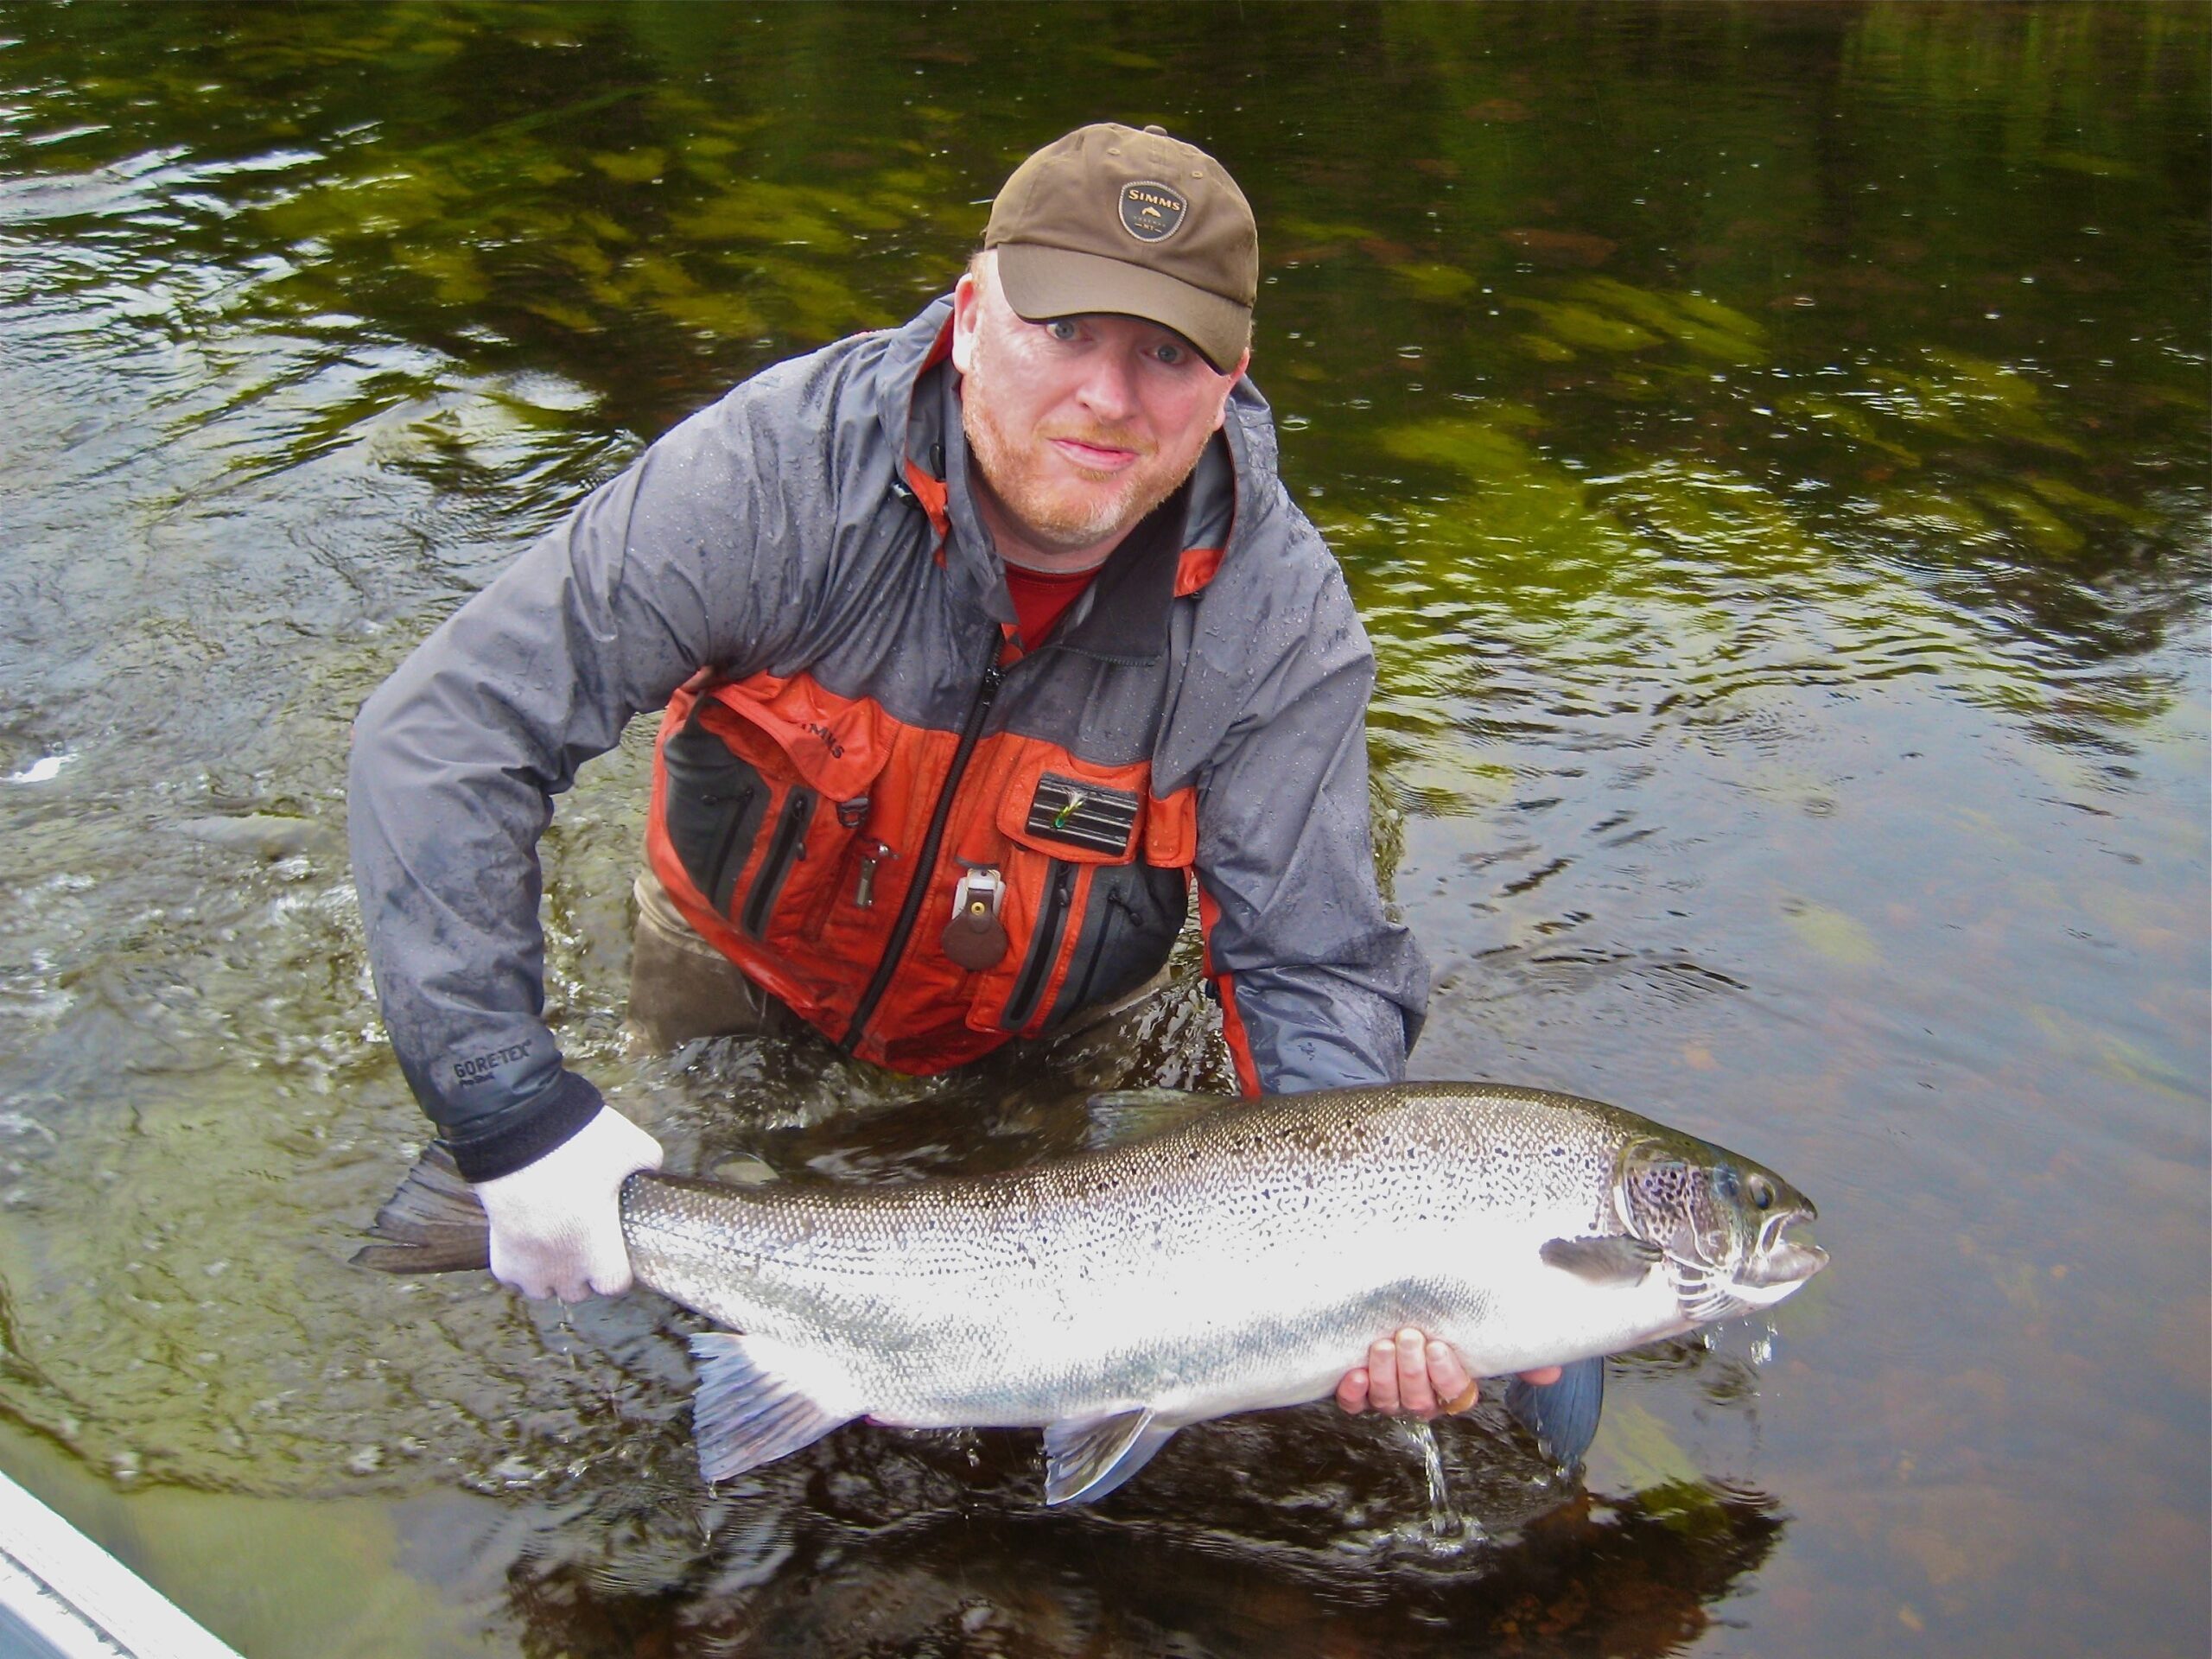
(1615, 1261)
(757, 1401)
(1122, 1115)
(1085, 1460)
(1563, 1415)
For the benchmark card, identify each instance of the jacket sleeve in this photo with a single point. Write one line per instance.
(1321, 987)
(457, 757)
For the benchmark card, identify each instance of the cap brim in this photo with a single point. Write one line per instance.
(1041, 283)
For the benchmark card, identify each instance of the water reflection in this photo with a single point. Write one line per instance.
(1284, 1533)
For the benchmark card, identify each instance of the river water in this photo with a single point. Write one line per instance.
(1768, 447)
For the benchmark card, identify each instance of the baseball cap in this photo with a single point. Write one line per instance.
(1135, 223)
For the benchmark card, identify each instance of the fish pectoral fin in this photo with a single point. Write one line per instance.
(749, 1410)
(1087, 1459)
(1563, 1415)
(1618, 1260)
(1122, 1115)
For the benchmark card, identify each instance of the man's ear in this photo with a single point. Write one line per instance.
(967, 313)
(1220, 415)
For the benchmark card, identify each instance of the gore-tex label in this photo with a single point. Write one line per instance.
(483, 1067)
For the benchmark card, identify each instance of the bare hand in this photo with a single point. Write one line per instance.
(1409, 1374)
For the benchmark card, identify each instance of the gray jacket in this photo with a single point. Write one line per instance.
(816, 524)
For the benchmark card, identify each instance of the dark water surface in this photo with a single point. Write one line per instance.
(1770, 449)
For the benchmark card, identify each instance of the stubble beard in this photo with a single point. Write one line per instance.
(1014, 471)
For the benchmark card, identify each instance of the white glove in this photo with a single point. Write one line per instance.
(556, 1223)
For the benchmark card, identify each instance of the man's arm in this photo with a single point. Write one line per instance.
(1321, 987)
(457, 758)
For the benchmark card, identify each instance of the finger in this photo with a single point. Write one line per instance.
(1414, 1394)
(1543, 1378)
(1448, 1376)
(606, 1266)
(1351, 1393)
(525, 1277)
(1382, 1376)
(612, 1279)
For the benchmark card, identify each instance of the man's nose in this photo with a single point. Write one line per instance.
(1109, 388)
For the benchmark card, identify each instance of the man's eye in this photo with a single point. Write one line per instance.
(1061, 329)
(1168, 352)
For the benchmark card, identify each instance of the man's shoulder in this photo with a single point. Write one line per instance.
(878, 365)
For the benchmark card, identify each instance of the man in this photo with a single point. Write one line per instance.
(977, 641)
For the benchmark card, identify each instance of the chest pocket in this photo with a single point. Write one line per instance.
(765, 785)
(1098, 907)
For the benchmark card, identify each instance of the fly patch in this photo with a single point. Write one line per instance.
(1152, 212)
(1083, 815)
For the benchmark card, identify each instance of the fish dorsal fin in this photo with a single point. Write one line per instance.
(1619, 1261)
(1563, 1415)
(749, 1410)
(1086, 1459)
(1127, 1115)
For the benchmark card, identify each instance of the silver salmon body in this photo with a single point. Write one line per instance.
(1244, 1259)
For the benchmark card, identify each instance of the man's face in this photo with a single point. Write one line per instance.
(1080, 425)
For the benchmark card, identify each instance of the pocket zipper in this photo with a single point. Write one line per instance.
(1044, 948)
(786, 845)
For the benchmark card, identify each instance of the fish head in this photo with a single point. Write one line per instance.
(1722, 1221)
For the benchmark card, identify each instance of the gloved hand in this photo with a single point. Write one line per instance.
(557, 1224)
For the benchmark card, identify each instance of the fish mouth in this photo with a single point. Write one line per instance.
(1779, 1265)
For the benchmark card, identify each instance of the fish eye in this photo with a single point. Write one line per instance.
(1761, 1193)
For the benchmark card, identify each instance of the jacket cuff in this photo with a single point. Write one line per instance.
(529, 1132)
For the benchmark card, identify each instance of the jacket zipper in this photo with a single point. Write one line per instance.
(926, 861)
(1045, 947)
(790, 824)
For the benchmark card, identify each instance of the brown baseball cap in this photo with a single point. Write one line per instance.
(1134, 223)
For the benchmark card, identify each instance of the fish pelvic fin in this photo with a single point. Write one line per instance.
(431, 1223)
(1563, 1415)
(753, 1405)
(1086, 1459)
(1616, 1261)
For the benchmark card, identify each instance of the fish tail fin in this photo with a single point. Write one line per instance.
(431, 1223)
(753, 1405)
(1563, 1415)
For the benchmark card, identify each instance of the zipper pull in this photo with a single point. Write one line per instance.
(864, 889)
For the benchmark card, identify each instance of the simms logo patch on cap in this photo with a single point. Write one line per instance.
(1152, 212)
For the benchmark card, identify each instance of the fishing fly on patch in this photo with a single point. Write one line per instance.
(1083, 815)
